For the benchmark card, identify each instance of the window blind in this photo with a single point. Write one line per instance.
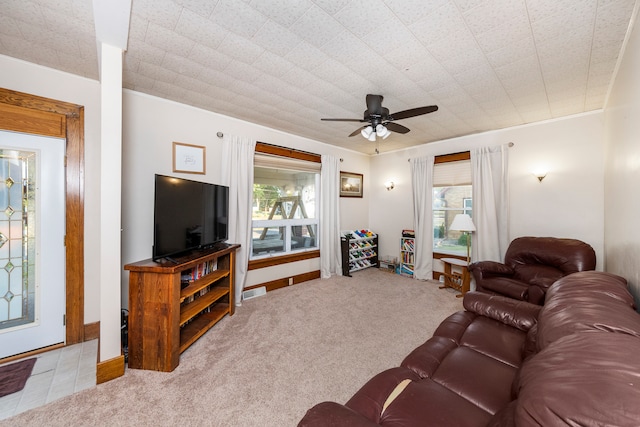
(278, 162)
(452, 173)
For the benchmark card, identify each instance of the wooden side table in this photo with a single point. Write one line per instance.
(457, 279)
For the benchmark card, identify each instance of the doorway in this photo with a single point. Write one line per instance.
(31, 242)
(21, 112)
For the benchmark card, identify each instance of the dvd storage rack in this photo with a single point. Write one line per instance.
(359, 250)
(172, 304)
(407, 253)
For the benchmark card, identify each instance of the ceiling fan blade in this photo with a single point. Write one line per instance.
(357, 131)
(395, 127)
(374, 104)
(413, 112)
(345, 120)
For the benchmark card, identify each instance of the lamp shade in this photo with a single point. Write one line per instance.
(366, 132)
(462, 222)
(382, 131)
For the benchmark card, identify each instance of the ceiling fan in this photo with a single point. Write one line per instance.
(380, 122)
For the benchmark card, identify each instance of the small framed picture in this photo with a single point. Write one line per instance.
(189, 158)
(350, 184)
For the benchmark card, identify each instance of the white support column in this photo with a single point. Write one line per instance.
(110, 200)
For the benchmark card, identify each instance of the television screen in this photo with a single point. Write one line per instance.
(188, 215)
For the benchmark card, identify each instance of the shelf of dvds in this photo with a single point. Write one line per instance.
(359, 251)
(172, 304)
(407, 253)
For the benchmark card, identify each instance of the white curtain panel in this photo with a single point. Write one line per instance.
(490, 179)
(237, 172)
(422, 185)
(330, 255)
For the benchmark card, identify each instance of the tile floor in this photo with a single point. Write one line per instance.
(56, 374)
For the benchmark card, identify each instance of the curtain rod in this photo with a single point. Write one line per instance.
(510, 144)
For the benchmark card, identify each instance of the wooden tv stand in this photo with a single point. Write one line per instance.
(167, 314)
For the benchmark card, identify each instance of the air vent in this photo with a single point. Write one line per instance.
(252, 293)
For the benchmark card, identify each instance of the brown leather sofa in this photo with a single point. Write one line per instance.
(531, 265)
(503, 362)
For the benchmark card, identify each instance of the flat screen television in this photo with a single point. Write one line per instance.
(188, 215)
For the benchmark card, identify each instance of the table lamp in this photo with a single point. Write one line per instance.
(462, 222)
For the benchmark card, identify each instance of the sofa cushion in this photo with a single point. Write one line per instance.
(369, 400)
(584, 301)
(421, 400)
(426, 358)
(454, 326)
(495, 340)
(480, 379)
(589, 378)
(539, 275)
(505, 417)
(474, 356)
(492, 338)
(334, 414)
(428, 403)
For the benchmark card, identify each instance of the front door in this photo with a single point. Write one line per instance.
(32, 252)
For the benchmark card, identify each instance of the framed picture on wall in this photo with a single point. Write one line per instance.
(189, 158)
(350, 184)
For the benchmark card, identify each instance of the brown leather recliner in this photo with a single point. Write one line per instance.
(531, 265)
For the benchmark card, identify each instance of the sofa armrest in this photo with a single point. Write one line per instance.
(504, 286)
(328, 414)
(514, 313)
(487, 269)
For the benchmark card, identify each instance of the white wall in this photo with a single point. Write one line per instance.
(622, 174)
(568, 203)
(151, 125)
(36, 80)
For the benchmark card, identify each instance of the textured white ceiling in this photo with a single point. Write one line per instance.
(287, 63)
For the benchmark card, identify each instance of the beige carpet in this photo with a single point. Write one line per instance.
(276, 357)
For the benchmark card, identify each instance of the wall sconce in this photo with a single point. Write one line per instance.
(389, 185)
(540, 175)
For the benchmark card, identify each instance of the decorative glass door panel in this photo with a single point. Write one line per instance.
(17, 238)
(32, 250)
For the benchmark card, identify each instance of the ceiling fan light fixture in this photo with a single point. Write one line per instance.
(382, 131)
(381, 122)
(366, 132)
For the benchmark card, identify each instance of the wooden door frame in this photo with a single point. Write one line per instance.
(22, 112)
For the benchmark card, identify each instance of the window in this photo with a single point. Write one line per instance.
(451, 196)
(285, 217)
